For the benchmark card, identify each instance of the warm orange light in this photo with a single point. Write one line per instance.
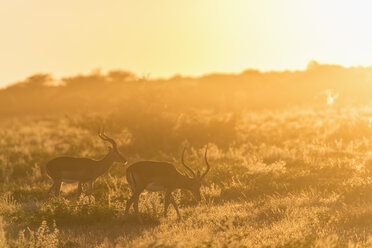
(190, 37)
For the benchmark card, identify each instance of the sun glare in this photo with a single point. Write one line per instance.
(195, 123)
(180, 37)
(330, 100)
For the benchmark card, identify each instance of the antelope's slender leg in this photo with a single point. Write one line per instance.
(132, 199)
(90, 187)
(166, 202)
(129, 203)
(79, 188)
(135, 205)
(175, 206)
(90, 191)
(57, 187)
(52, 189)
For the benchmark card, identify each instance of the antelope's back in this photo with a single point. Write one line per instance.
(63, 165)
(146, 172)
(152, 168)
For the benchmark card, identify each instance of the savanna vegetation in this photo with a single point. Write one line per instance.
(291, 157)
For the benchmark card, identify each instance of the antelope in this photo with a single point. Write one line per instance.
(82, 170)
(162, 176)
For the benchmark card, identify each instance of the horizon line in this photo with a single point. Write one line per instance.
(147, 76)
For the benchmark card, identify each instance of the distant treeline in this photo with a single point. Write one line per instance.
(125, 92)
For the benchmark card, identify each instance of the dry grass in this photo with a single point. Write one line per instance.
(289, 178)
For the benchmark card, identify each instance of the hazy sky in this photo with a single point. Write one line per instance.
(190, 37)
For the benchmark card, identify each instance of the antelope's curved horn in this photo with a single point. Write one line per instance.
(206, 162)
(104, 137)
(183, 162)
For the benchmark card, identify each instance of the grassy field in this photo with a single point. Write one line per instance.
(298, 177)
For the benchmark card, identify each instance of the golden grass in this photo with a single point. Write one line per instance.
(289, 178)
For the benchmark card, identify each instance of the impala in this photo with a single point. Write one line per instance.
(162, 176)
(82, 170)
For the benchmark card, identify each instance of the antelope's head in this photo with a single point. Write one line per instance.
(196, 178)
(113, 150)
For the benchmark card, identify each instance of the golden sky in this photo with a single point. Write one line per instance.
(190, 37)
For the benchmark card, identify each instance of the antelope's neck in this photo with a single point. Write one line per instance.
(185, 182)
(107, 161)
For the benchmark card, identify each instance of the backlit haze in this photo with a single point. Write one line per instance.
(167, 37)
(274, 96)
